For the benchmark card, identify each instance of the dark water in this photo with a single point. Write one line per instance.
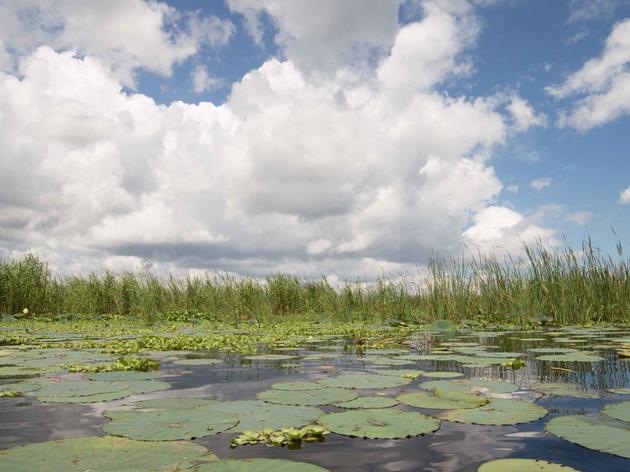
(454, 447)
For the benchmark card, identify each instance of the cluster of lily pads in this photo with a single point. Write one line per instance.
(153, 434)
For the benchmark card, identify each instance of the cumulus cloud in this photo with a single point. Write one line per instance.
(124, 34)
(541, 183)
(624, 197)
(524, 115)
(602, 86)
(202, 81)
(579, 217)
(292, 173)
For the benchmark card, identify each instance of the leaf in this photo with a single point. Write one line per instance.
(571, 357)
(323, 396)
(563, 390)
(121, 376)
(197, 361)
(441, 400)
(369, 402)
(620, 411)
(269, 357)
(470, 385)
(292, 386)
(404, 373)
(364, 381)
(598, 434)
(379, 423)
(103, 454)
(498, 412)
(259, 465)
(443, 375)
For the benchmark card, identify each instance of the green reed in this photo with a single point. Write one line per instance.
(545, 285)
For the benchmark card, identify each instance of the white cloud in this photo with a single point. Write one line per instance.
(124, 34)
(524, 115)
(202, 81)
(512, 188)
(292, 173)
(579, 217)
(584, 10)
(541, 183)
(624, 197)
(602, 84)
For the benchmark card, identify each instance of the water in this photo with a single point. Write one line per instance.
(454, 447)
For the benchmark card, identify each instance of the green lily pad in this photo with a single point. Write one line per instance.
(172, 404)
(620, 391)
(386, 361)
(121, 376)
(364, 381)
(321, 356)
(133, 387)
(443, 375)
(523, 465)
(579, 356)
(259, 465)
(498, 412)
(167, 425)
(598, 434)
(292, 386)
(563, 390)
(379, 423)
(323, 396)
(22, 387)
(441, 400)
(620, 411)
(256, 414)
(79, 388)
(103, 454)
(405, 373)
(369, 402)
(470, 385)
(552, 350)
(198, 361)
(269, 357)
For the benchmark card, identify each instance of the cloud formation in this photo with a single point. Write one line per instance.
(351, 170)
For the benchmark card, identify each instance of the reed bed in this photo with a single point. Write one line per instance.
(546, 285)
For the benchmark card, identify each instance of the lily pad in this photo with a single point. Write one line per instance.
(105, 454)
(364, 381)
(405, 373)
(443, 375)
(620, 411)
(292, 386)
(323, 396)
(552, 350)
(256, 414)
(523, 465)
(198, 361)
(269, 357)
(498, 412)
(620, 391)
(564, 390)
(598, 434)
(133, 387)
(369, 402)
(167, 425)
(441, 400)
(121, 376)
(386, 361)
(470, 385)
(579, 356)
(259, 465)
(79, 388)
(172, 404)
(379, 423)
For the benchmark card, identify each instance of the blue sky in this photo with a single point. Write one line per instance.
(341, 138)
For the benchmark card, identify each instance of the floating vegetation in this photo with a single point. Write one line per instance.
(379, 423)
(404, 373)
(578, 356)
(317, 397)
(282, 437)
(103, 454)
(599, 434)
(367, 381)
(369, 402)
(441, 399)
(443, 375)
(498, 412)
(299, 385)
(564, 390)
(620, 411)
(470, 386)
(90, 391)
(197, 361)
(258, 465)
(141, 364)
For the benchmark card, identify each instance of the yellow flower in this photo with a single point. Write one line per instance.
(25, 311)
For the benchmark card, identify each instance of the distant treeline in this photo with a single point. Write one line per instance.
(556, 286)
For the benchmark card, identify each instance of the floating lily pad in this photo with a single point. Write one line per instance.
(198, 361)
(386, 361)
(620, 411)
(369, 402)
(169, 425)
(121, 376)
(405, 373)
(564, 390)
(498, 412)
(133, 387)
(379, 423)
(552, 350)
(323, 396)
(292, 386)
(321, 355)
(470, 385)
(571, 357)
(364, 381)
(620, 391)
(259, 465)
(22, 387)
(103, 454)
(443, 375)
(599, 434)
(523, 465)
(441, 400)
(173, 403)
(79, 388)
(256, 414)
(269, 357)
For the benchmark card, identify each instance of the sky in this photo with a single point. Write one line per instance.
(353, 138)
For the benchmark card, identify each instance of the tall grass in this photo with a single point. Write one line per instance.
(560, 286)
